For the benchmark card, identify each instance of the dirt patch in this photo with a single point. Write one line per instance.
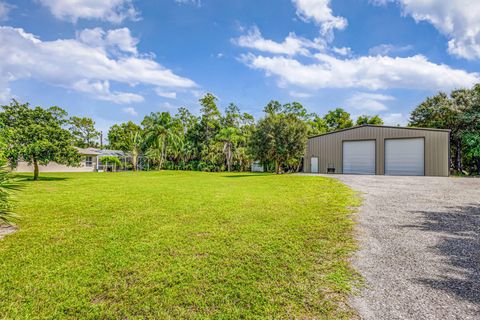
(4, 230)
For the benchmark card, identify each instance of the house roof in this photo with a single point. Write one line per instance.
(105, 152)
(101, 152)
(87, 151)
(377, 126)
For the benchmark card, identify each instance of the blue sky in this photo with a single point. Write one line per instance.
(118, 60)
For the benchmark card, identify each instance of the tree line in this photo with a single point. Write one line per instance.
(228, 141)
(221, 141)
(211, 141)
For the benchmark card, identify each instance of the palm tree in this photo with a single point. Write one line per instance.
(176, 148)
(229, 136)
(135, 142)
(160, 132)
(187, 151)
(154, 153)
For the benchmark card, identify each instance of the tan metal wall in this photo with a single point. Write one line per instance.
(328, 148)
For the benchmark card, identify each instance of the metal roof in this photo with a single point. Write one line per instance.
(376, 126)
(101, 152)
(104, 152)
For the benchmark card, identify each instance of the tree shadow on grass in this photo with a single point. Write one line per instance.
(25, 177)
(253, 175)
(460, 247)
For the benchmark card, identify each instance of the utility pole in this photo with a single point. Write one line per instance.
(101, 139)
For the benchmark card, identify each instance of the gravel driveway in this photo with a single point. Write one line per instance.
(420, 247)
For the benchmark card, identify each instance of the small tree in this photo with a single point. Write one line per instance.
(128, 138)
(280, 138)
(119, 135)
(338, 119)
(83, 129)
(37, 136)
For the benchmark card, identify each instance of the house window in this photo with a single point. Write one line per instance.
(88, 161)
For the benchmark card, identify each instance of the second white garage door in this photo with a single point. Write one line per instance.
(359, 157)
(404, 157)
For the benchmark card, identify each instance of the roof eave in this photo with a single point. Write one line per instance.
(377, 126)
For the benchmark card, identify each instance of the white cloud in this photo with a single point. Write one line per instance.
(197, 93)
(298, 94)
(393, 119)
(386, 49)
(87, 64)
(119, 40)
(459, 20)
(320, 12)
(131, 111)
(168, 105)
(101, 91)
(197, 3)
(344, 51)
(114, 11)
(5, 94)
(122, 39)
(166, 94)
(379, 2)
(378, 72)
(292, 45)
(372, 102)
(4, 10)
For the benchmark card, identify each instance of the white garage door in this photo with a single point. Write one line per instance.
(359, 157)
(404, 157)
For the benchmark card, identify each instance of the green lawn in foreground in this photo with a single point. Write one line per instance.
(179, 245)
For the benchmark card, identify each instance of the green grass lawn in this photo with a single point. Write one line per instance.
(176, 245)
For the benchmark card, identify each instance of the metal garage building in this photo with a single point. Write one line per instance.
(370, 149)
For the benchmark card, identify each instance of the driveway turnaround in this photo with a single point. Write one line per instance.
(419, 247)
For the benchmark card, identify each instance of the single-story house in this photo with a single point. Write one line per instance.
(90, 162)
(381, 150)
